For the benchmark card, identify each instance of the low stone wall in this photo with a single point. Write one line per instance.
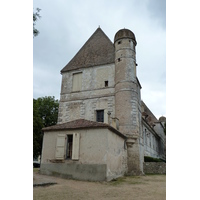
(154, 167)
(88, 172)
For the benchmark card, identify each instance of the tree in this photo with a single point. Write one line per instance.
(36, 16)
(48, 110)
(37, 127)
(45, 113)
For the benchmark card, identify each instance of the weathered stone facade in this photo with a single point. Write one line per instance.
(102, 78)
(93, 95)
(120, 98)
(127, 97)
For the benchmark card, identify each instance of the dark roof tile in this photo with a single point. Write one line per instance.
(82, 124)
(98, 50)
(149, 116)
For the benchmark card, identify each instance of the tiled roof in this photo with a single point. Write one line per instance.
(125, 33)
(82, 124)
(98, 50)
(148, 115)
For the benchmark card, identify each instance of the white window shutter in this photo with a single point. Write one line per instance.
(75, 151)
(60, 147)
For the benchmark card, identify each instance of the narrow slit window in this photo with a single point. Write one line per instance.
(119, 59)
(119, 42)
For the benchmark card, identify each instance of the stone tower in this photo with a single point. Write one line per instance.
(127, 98)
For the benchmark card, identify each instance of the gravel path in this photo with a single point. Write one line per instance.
(127, 188)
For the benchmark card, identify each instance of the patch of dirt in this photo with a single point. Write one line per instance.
(130, 187)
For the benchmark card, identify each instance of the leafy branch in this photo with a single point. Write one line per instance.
(36, 16)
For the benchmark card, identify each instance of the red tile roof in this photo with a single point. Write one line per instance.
(82, 124)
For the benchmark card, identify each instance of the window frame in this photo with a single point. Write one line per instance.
(100, 115)
(62, 151)
(69, 151)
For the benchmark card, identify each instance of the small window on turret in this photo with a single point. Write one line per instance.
(119, 59)
(119, 42)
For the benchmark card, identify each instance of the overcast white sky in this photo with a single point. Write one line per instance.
(66, 25)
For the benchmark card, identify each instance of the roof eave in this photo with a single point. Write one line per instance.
(105, 126)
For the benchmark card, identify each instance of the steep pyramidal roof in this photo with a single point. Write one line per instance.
(98, 50)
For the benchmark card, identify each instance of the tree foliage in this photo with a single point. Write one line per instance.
(36, 16)
(37, 127)
(45, 113)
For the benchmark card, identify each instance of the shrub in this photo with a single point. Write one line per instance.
(151, 159)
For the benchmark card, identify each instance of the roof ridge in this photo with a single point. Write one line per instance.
(105, 35)
(98, 29)
(83, 50)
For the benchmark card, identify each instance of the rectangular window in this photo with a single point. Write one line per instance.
(77, 82)
(150, 138)
(69, 146)
(100, 115)
(144, 137)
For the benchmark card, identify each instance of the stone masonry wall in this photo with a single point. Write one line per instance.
(154, 167)
(94, 95)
